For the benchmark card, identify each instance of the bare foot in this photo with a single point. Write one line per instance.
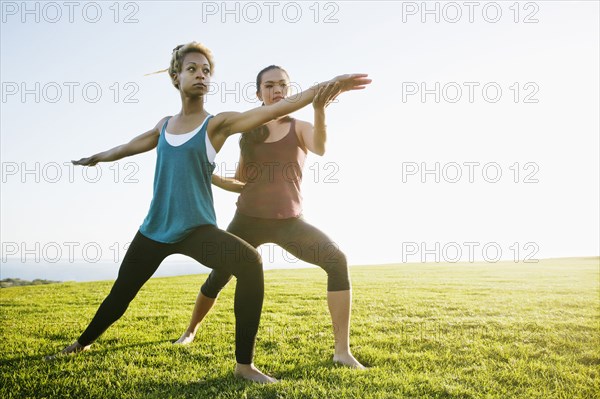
(185, 339)
(251, 373)
(346, 359)
(75, 347)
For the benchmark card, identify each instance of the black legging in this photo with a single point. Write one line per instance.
(299, 238)
(210, 246)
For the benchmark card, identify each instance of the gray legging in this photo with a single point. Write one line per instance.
(208, 245)
(299, 238)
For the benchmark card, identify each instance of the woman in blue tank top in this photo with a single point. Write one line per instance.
(269, 208)
(181, 218)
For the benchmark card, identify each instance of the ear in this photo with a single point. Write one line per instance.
(259, 96)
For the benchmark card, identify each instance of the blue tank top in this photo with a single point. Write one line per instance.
(182, 198)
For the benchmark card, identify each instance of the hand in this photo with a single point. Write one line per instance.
(90, 161)
(326, 95)
(355, 81)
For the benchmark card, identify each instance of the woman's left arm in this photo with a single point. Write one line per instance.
(315, 137)
(225, 124)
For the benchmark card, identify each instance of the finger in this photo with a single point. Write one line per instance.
(350, 77)
(321, 90)
(334, 86)
(317, 96)
(336, 89)
(327, 88)
(83, 162)
(356, 86)
(361, 80)
(324, 94)
(323, 86)
(335, 96)
(321, 94)
(332, 96)
(331, 88)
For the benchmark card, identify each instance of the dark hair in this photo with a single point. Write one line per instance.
(257, 135)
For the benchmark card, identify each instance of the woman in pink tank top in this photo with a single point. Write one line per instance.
(269, 208)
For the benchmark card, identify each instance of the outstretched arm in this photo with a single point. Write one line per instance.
(227, 123)
(142, 143)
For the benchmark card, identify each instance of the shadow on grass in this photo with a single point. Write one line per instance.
(227, 385)
(95, 351)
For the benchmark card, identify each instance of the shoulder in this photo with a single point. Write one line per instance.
(219, 122)
(300, 124)
(159, 125)
(303, 127)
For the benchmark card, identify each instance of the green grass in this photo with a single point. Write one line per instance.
(500, 330)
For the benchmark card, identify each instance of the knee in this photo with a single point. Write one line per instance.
(214, 284)
(342, 261)
(338, 276)
(252, 259)
(250, 265)
(336, 261)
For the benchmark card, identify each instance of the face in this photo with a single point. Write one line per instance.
(273, 86)
(194, 77)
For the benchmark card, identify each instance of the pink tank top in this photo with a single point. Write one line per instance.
(273, 176)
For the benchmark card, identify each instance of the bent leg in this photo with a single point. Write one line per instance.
(226, 253)
(249, 230)
(311, 245)
(217, 279)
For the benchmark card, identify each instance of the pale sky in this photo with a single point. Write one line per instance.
(492, 87)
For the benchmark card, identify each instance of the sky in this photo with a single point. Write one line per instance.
(478, 139)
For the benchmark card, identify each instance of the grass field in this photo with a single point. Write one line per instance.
(504, 330)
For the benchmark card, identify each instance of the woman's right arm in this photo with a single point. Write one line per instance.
(142, 143)
(228, 184)
(235, 184)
